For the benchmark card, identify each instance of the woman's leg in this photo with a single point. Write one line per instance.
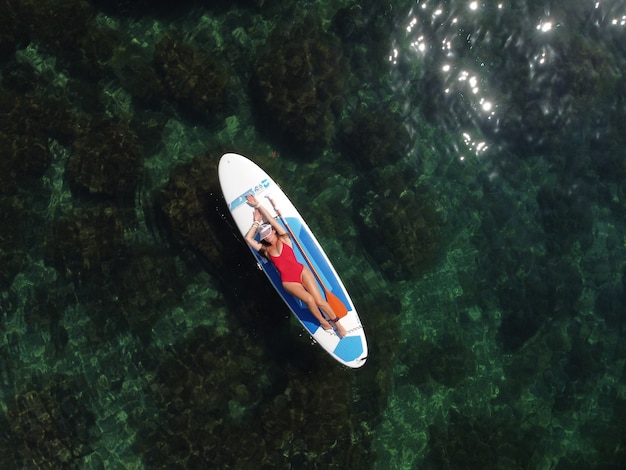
(297, 290)
(310, 285)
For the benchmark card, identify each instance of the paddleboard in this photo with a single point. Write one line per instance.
(239, 177)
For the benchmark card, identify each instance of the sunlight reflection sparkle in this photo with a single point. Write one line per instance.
(475, 146)
(619, 21)
(545, 26)
(467, 83)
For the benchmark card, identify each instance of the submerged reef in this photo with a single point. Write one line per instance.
(486, 442)
(363, 28)
(529, 288)
(140, 8)
(27, 124)
(13, 253)
(85, 242)
(406, 229)
(195, 79)
(164, 8)
(196, 214)
(447, 362)
(48, 425)
(85, 46)
(123, 287)
(106, 160)
(217, 407)
(9, 28)
(299, 82)
(375, 137)
(143, 289)
(206, 388)
(517, 272)
(139, 76)
(566, 217)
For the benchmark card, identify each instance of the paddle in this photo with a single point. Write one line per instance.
(337, 305)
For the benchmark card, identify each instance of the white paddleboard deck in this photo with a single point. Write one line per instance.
(238, 177)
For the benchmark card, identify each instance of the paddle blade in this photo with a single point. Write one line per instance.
(337, 305)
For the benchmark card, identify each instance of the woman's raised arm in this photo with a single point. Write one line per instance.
(265, 214)
(252, 231)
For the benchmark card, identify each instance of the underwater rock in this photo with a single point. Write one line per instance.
(88, 248)
(448, 362)
(610, 443)
(45, 20)
(106, 160)
(299, 82)
(164, 8)
(291, 426)
(139, 76)
(15, 236)
(43, 312)
(85, 46)
(606, 148)
(374, 138)
(405, 228)
(196, 382)
(610, 303)
(566, 217)
(85, 241)
(27, 155)
(143, 289)
(543, 289)
(18, 76)
(143, 8)
(585, 69)
(49, 425)
(584, 360)
(516, 273)
(9, 38)
(191, 203)
(26, 125)
(195, 79)
(7, 455)
(485, 442)
(363, 28)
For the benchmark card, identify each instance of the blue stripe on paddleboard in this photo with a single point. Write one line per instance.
(239, 200)
(349, 348)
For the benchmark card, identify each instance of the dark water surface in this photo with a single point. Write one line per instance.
(462, 163)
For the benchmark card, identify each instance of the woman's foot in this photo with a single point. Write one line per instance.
(341, 331)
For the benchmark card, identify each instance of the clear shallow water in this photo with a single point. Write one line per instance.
(483, 245)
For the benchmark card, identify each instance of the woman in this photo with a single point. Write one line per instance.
(298, 280)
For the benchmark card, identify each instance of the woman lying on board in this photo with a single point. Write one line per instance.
(298, 280)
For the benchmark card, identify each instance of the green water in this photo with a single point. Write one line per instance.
(462, 163)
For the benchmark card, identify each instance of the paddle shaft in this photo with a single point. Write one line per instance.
(329, 295)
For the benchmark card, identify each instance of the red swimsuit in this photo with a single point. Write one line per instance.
(287, 264)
